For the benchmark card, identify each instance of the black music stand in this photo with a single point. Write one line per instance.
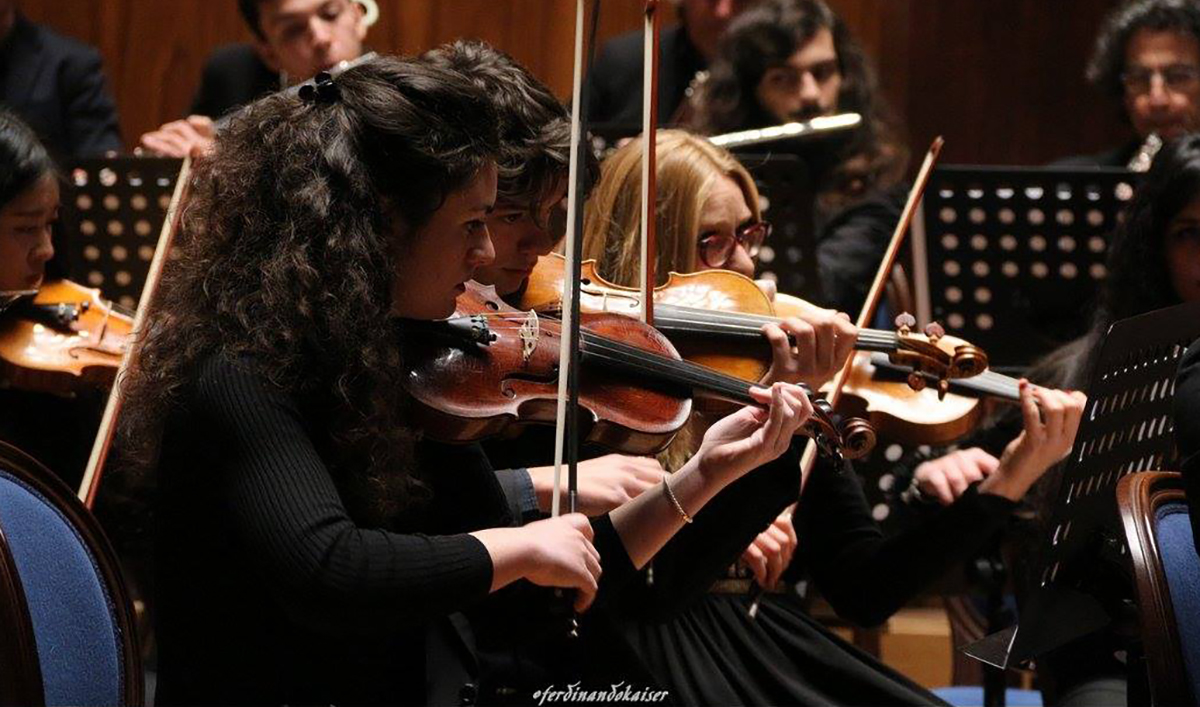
(1127, 427)
(1009, 258)
(786, 192)
(112, 212)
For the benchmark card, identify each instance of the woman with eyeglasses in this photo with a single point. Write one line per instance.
(708, 650)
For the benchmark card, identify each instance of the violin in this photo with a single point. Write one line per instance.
(491, 365)
(714, 318)
(708, 312)
(64, 337)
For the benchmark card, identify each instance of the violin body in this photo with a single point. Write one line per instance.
(65, 338)
(747, 358)
(470, 384)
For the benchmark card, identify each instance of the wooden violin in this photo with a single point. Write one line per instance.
(63, 337)
(715, 318)
(491, 365)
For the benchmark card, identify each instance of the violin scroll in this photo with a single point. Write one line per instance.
(935, 355)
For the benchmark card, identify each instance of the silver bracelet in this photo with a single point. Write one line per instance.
(675, 502)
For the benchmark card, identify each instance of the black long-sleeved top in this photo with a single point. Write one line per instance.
(1187, 431)
(866, 576)
(270, 592)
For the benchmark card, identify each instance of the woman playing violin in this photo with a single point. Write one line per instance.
(311, 547)
(707, 217)
(55, 430)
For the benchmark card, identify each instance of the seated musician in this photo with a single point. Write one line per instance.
(293, 40)
(1147, 63)
(1153, 262)
(57, 86)
(310, 547)
(708, 217)
(57, 431)
(1187, 431)
(793, 60)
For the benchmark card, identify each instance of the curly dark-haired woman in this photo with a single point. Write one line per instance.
(311, 549)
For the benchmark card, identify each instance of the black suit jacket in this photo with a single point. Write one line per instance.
(233, 76)
(57, 86)
(615, 81)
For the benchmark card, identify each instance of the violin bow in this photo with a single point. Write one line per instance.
(653, 29)
(566, 438)
(90, 485)
(875, 294)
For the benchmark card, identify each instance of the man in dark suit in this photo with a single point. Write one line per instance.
(57, 86)
(615, 80)
(293, 41)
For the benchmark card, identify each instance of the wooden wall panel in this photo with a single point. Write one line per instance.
(1001, 79)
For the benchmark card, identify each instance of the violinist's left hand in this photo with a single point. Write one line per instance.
(752, 436)
(824, 340)
(1051, 420)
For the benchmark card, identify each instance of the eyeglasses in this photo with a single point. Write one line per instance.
(1176, 77)
(716, 250)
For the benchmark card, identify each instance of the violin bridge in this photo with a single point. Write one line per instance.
(529, 333)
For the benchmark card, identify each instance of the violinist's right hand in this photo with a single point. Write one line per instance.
(556, 552)
(193, 136)
(604, 482)
(752, 436)
(948, 477)
(771, 552)
(824, 340)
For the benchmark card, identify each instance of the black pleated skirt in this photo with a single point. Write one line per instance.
(713, 653)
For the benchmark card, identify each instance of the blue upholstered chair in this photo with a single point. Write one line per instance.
(65, 632)
(1167, 573)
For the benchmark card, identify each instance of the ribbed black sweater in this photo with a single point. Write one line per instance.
(269, 592)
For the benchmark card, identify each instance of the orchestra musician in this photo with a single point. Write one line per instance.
(1153, 262)
(336, 547)
(1147, 62)
(793, 60)
(56, 430)
(614, 81)
(293, 40)
(57, 86)
(711, 653)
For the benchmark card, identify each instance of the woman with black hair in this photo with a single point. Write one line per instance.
(310, 546)
(55, 430)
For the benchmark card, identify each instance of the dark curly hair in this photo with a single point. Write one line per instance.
(535, 127)
(23, 159)
(1108, 58)
(286, 258)
(766, 36)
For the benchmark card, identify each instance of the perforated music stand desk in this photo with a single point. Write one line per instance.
(1009, 258)
(1127, 427)
(112, 212)
(786, 192)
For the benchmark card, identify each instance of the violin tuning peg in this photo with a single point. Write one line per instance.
(934, 330)
(916, 381)
(905, 321)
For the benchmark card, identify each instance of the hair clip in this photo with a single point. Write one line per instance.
(321, 89)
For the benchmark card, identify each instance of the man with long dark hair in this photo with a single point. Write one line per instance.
(789, 60)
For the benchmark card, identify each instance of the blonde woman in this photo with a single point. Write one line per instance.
(707, 216)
